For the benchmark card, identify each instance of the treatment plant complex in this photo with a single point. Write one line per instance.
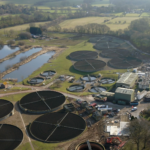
(85, 104)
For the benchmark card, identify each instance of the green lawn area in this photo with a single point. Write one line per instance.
(26, 146)
(14, 98)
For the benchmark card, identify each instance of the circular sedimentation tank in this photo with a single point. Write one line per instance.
(36, 80)
(107, 81)
(6, 109)
(10, 137)
(81, 55)
(125, 62)
(115, 53)
(48, 73)
(89, 78)
(97, 89)
(89, 65)
(42, 102)
(76, 88)
(57, 127)
(94, 146)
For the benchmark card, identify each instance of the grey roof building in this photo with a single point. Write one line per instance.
(123, 95)
(127, 80)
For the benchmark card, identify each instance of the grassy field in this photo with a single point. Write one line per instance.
(113, 24)
(145, 15)
(22, 27)
(82, 21)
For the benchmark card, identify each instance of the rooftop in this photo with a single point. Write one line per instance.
(105, 93)
(127, 78)
(124, 91)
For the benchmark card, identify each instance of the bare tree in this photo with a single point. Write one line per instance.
(140, 133)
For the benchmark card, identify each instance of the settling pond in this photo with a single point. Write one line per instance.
(6, 50)
(25, 70)
(16, 59)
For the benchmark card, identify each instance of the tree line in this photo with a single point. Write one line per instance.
(16, 9)
(24, 18)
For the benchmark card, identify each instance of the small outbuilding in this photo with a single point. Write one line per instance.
(127, 80)
(2, 86)
(110, 96)
(124, 96)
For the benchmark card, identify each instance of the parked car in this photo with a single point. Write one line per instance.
(116, 121)
(134, 109)
(101, 106)
(93, 104)
(115, 110)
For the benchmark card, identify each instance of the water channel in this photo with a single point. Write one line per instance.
(10, 62)
(25, 70)
(6, 50)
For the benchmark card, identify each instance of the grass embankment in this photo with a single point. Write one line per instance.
(14, 89)
(38, 146)
(14, 98)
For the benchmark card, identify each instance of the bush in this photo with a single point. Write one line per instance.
(21, 43)
(11, 42)
(25, 35)
(35, 30)
(1, 43)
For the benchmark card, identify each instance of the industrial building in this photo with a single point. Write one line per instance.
(110, 96)
(124, 96)
(127, 80)
(145, 83)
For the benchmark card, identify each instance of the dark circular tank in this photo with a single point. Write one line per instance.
(94, 146)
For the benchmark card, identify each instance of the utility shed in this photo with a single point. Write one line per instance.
(110, 96)
(124, 96)
(127, 80)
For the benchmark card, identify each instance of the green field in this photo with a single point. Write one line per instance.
(113, 24)
(82, 21)
(52, 3)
